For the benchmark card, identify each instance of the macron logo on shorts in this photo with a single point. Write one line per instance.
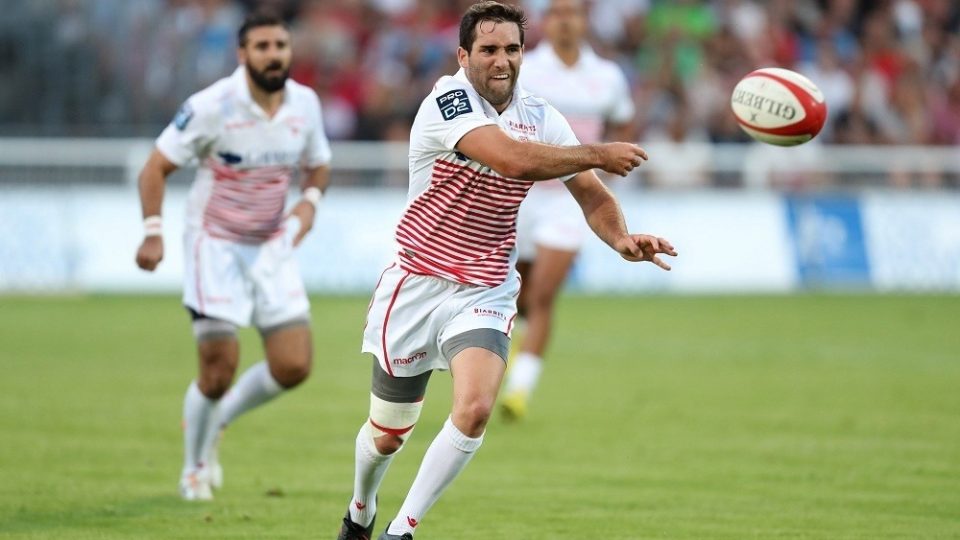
(410, 359)
(453, 104)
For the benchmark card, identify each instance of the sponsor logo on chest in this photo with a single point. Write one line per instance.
(252, 158)
(520, 127)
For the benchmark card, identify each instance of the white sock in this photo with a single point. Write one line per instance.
(198, 412)
(254, 388)
(371, 466)
(524, 373)
(448, 454)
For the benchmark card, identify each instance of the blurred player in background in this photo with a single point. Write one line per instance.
(249, 133)
(478, 143)
(593, 95)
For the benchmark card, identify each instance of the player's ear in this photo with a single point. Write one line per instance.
(462, 57)
(241, 55)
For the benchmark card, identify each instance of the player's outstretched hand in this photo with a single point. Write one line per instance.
(305, 211)
(621, 158)
(644, 247)
(150, 253)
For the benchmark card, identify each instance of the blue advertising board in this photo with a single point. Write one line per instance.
(827, 234)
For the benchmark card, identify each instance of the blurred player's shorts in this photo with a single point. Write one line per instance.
(549, 217)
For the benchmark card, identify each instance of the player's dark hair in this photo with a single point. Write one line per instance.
(257, 19)
(489, 11)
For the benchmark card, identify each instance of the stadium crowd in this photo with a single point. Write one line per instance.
(890, 69)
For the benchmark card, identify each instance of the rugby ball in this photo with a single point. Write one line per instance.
(778, 106)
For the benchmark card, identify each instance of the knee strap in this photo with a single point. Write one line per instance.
(397, 419)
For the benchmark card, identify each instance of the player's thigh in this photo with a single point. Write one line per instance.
(397, 389)
(218, 353)
(289, 350)
(477, 373)
(214, 284)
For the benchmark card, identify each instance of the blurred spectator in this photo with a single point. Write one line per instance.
(946, 116)
(826, 71)
(681, 155)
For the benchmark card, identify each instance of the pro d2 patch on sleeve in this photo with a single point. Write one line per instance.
(183, 116)
(454, 103)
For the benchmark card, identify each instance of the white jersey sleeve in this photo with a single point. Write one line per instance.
(191, 134)
(621, 109)
(449, 113)
(557, 131)
(316, 153)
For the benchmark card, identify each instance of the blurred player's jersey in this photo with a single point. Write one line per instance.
(245, 159)
(589, 94)
(460, 221)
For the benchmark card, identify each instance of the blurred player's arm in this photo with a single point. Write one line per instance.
(604, 216)
(314, 184)
(152, 181)
(529, 160)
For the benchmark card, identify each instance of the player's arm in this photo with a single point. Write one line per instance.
(152, 181)
(314, 184)
(529, 160)
(604, 216)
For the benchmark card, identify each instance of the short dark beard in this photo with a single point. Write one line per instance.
(269, 84)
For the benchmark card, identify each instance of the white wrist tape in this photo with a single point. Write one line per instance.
(153, 226)
(312, 195)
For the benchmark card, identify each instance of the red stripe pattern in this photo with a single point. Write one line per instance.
(463, 226)
(393, 431)
(246, 205)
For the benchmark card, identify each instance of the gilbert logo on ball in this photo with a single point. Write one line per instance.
(779, 106)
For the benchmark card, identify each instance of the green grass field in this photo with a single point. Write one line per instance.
(659, 417)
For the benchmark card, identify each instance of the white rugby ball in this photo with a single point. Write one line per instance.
(779, 106)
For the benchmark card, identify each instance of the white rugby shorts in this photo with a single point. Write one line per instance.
(549, 217)
(411, 316)
(246, 284)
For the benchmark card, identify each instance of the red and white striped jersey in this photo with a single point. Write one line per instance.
(461, 217)
(245, 159)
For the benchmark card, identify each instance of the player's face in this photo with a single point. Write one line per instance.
(493, 63)
(267, 56)
(565, 22)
